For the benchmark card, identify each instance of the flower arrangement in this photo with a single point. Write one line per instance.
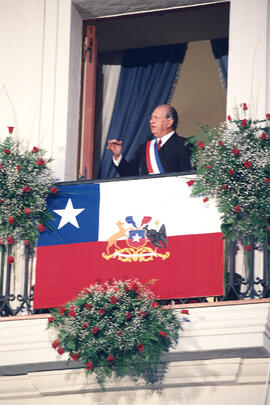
(25, 183)
(115, 326)
(233, 166)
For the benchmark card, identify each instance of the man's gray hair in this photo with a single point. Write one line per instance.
(172, 113)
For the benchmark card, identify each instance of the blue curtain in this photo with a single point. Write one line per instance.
(220, 50)
(146, 78)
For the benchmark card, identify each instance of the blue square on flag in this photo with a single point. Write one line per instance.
(76, 212)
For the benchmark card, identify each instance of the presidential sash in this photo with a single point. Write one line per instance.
(153, 162)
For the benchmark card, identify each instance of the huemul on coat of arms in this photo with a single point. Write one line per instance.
(142, 243)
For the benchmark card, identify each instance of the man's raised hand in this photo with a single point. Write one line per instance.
(115, 147)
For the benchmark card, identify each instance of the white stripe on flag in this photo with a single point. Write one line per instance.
(167, 200)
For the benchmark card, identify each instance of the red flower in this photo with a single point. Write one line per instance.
(208, 166)
(10, 259)
(41, 228)
(50, 319)
(1, 166)
(140, 347)
(185, 311)
(10, 129)
(205, 199)
(95, 330)
(268, 228)
(75, 356)
(89, 365)
(27, 211)
(224, 187)
(247, 164)
(11, 220)
(268, 116)
(244, 106)
(54, 190)
(142, 313)
(88, 306)
(264, 136)
(7, 151)
(61, 350)
(62, 310)
(102, 311)
(134, 286)
(163, 334)
(200, 144)
(84, 325)
(231, 171)
(72, 312)
(190, 182)
(237, 208)
(110, 359)
(40, 162)
(113, 299)
(10, 240)
(27, 242)
(236, 151)
(229, 118)
(128, 315)
(220, 143)
(248, 248)
(1, 200)
(267, 180)
(86, 291)
(26, 189)
(18, 168)
(244, 122)
(35, 149)
(119, 333)
(55, 344)
(155, 305)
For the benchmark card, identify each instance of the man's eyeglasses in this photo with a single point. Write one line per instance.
(155, 118)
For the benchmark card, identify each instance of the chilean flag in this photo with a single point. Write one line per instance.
(150, 229)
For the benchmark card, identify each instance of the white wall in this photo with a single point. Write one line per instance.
(35, 76)
(248, 70)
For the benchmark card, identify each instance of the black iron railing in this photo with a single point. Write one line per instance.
(17, 279)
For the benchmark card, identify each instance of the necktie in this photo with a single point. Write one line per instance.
(159, 144)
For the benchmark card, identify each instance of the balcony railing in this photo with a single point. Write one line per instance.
(16, 282)
(247, 276)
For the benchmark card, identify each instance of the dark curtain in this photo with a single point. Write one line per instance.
(146, 78)
(220, 50)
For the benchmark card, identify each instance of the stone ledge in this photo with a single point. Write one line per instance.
(216, 372)
(213, 332)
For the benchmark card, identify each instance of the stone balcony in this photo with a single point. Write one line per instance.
(222, 355)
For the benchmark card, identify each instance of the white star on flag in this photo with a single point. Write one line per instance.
(68, 215)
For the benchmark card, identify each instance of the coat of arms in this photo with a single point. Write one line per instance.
(142, 243)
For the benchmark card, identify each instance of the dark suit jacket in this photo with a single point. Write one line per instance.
(174, 156)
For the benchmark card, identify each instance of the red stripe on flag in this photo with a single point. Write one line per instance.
(194, 268)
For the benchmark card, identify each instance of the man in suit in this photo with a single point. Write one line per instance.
(166, 153)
